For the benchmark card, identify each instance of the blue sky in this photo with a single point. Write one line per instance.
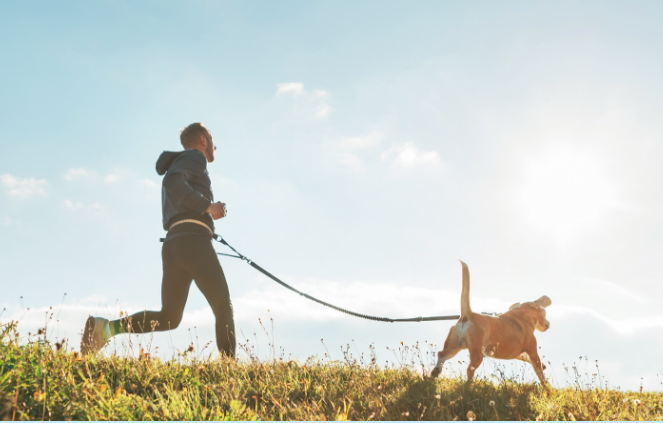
(363, 149)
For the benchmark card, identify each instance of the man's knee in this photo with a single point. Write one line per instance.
(171, 320)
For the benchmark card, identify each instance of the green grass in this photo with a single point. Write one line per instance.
(40, 381)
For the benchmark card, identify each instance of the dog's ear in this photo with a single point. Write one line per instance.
(514, 306)
(543, 301)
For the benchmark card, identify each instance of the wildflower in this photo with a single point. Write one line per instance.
(471, 416)
(438, 396)
(491, 403)
(407, 413)
(636, 402)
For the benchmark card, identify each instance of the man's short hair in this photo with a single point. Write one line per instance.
(191, 134)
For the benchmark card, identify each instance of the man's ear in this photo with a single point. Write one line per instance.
(203, 140)
(514, 306)
(543, 301)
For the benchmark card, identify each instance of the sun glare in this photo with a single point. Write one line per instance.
(562, 192)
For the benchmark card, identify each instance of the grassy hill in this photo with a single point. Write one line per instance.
(39, 380)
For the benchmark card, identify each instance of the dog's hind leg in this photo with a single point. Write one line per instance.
(476, 358)
(452, 346)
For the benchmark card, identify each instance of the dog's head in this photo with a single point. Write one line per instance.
(537, 310)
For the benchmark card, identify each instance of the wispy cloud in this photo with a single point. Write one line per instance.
(112, 177)
(23, 187)
(150, 183)
(290, 88)
(95, 208)
(315, 101)
(70, 205)
(76, 174)
(624, 326)
(408, 156)
(349, 149)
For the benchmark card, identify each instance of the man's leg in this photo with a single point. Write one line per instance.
(174, 293)
(203, 264)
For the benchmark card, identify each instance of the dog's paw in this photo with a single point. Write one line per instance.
(435, 372)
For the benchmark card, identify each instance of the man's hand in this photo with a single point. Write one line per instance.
(217, 210)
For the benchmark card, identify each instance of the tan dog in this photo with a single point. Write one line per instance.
(507, 336)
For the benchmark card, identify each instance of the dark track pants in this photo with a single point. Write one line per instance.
(187, 258)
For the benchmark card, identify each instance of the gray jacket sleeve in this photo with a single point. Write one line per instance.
(184, 169)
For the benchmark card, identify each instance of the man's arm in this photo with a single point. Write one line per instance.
(217, 210)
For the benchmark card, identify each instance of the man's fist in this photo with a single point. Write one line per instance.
(217, 210)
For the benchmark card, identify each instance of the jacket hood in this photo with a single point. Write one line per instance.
(165, 160)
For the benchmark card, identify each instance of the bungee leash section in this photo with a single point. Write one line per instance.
(253, 264)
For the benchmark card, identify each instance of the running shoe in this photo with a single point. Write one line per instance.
(95, 335)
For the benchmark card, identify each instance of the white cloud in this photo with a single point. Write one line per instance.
(322, 110)
(23, 187)
(359, 143)
(320, 93)
(70, 205)
(75, 174)
(112, 177)
(408, 156)
(6, 220)
(290, 88)
(315, 100)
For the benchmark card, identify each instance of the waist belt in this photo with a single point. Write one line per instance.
(197, 222)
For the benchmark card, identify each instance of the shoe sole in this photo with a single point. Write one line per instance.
(88, 336)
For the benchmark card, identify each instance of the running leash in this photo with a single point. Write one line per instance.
(253, 264)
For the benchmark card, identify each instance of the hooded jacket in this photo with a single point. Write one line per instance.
(186, 189)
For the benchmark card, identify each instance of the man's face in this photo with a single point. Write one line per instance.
(209, 150)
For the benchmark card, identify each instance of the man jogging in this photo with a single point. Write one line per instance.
(187, 252)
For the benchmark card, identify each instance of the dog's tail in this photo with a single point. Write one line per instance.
(465, 309)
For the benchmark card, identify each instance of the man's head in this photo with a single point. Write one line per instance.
(197, 137)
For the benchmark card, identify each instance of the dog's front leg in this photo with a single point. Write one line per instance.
(535, 361)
